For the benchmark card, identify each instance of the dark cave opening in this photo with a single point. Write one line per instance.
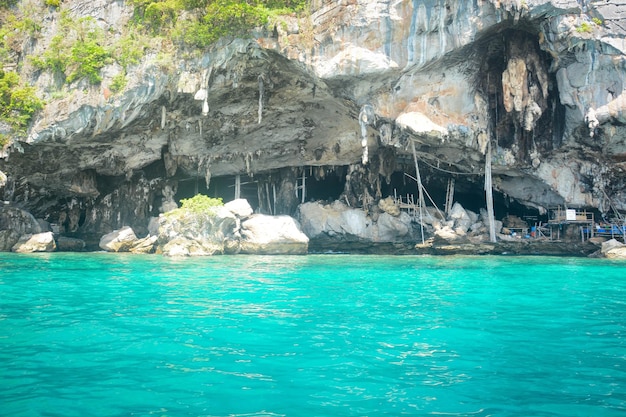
(496, 51)
(470, 194)
(325, 184)
(219, 187)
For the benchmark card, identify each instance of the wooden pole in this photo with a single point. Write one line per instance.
(303, 185)
(420, 192)
(489, 195)
(237, 186)
(449, 196)
(267, 197)
(274, 194)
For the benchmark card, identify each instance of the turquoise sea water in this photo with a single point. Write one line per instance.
(114, 335)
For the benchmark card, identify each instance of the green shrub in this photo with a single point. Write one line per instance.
(584, 27)
(76, 52)
(13, 32)
(130, 49)
(161, 14)
(88, 57)
(211, 19)
(201, 204)
(53, 3)
(118, 83)
(17, 103)
(5, 4)
(597, 21)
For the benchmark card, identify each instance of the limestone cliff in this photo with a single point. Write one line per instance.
(329, 105)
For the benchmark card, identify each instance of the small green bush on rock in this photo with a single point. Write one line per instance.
(201, 204)
(197, 205)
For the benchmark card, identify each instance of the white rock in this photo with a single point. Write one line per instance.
(611, 244)
(263, 234)
(118, 240)
(616, 253)
(240, 207)
(40, 242)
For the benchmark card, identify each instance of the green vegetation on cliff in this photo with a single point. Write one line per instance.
(17, 102)
(209, 20)
(76, 51)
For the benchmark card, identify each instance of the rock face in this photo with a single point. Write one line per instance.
(228, 229)
(613, 249)
(269, 235)
(118, 240)
(329, 107)
(40, 242)
(340, 222)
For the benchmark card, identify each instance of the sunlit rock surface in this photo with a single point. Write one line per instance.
(328, 107)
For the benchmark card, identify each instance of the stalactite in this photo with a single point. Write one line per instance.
(366, 117)
(248, 159)
(261, 94)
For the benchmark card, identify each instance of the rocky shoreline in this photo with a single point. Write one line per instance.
(318, 228)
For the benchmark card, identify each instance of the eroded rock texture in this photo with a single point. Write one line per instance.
(326, 108)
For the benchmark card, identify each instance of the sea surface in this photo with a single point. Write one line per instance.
(319, 335)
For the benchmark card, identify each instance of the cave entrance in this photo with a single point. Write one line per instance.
(220, 187)
(468, 192)
(325, 183)
(515, 79)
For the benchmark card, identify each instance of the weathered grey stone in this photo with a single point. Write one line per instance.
(119, 240)
(145, 245)
(39, 242)
(13, 218)
(263, 234)
(8, 238)
(182, 246)
(392, 228)
(208, 231)
(70, 244)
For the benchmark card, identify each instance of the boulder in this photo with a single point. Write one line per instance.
(182, 246)
(263, 234)
(70, 244)
(352, 222)
(153, 226)
(391, 228)
(240, 208)
(118, 240)
(616, 253)
(8, 238)
(340, 222)
(462, 220)
(39, 242)
(13, 218)
(446, 233)
(145, 245)
(388, 205)
(610, 245)
(209, 231)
